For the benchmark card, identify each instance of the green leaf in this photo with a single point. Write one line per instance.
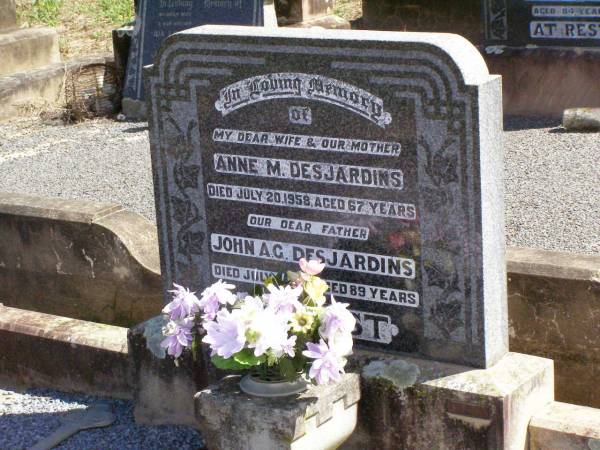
(195, 347)
(227, 364)
(287, 369)
(246, 358)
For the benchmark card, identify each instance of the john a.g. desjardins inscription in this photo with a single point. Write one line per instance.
(272, 146)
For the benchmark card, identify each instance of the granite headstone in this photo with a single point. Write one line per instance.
(378, 152)
(544, 23)
(157, 19)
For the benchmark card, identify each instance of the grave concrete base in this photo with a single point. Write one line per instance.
(562, 426)
(163, 391)
(410, 403)
(28, 48)
(47, 351)
(323, 417)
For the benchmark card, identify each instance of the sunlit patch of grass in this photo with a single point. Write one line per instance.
(348, 9)
(46, 12)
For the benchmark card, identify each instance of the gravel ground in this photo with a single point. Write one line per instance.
(552, 177)
(26, 418)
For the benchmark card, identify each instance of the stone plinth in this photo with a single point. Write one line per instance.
(321, 418)
(164, 391)
(417, 404)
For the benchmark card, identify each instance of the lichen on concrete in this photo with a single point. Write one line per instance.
(400, 373)
(153, 335)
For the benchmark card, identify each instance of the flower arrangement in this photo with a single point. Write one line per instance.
(285, 327)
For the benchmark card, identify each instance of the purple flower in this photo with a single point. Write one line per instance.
(184, 303)
(336, 319)
(288, 346)
(214, 296)
(327, 365)
(226, 335)
(178, 336)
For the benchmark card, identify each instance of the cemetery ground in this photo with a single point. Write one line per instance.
(84, 26)
(551, 175)
(550, 178)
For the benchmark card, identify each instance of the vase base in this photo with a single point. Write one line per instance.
(257, 388)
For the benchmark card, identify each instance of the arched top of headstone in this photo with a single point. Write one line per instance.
(455, 51)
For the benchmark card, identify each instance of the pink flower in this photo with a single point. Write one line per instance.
(312, 267)
(184, 303)
(178, 336)
(336, 318)
(327, 365)
(226, 335)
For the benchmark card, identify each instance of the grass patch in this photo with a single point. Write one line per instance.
(44, 12)
(110, 12)
(85, 25)
(348, 9)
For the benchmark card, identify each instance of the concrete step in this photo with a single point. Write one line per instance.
(42, 350)
(28, 48)
(563, 426)
(31, 86)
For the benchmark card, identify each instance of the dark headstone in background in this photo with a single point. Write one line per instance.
(544, 23)
(377, 152)
(158, 19)
(441, 16)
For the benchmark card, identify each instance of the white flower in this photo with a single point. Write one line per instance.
(226, 336)
(284, 299)
(341, 342)
(336, 317)
(266, 330)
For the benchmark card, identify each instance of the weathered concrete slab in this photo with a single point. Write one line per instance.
(37, 87)
(28, 48)
(553, 303)
(164, 392)
(8, 15)
(561, 426)
(43, 350)
(416, 404)
(78, 259)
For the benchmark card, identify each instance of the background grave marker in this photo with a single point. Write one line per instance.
(157, 19)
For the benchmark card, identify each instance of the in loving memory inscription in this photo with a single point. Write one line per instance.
(364, 149)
